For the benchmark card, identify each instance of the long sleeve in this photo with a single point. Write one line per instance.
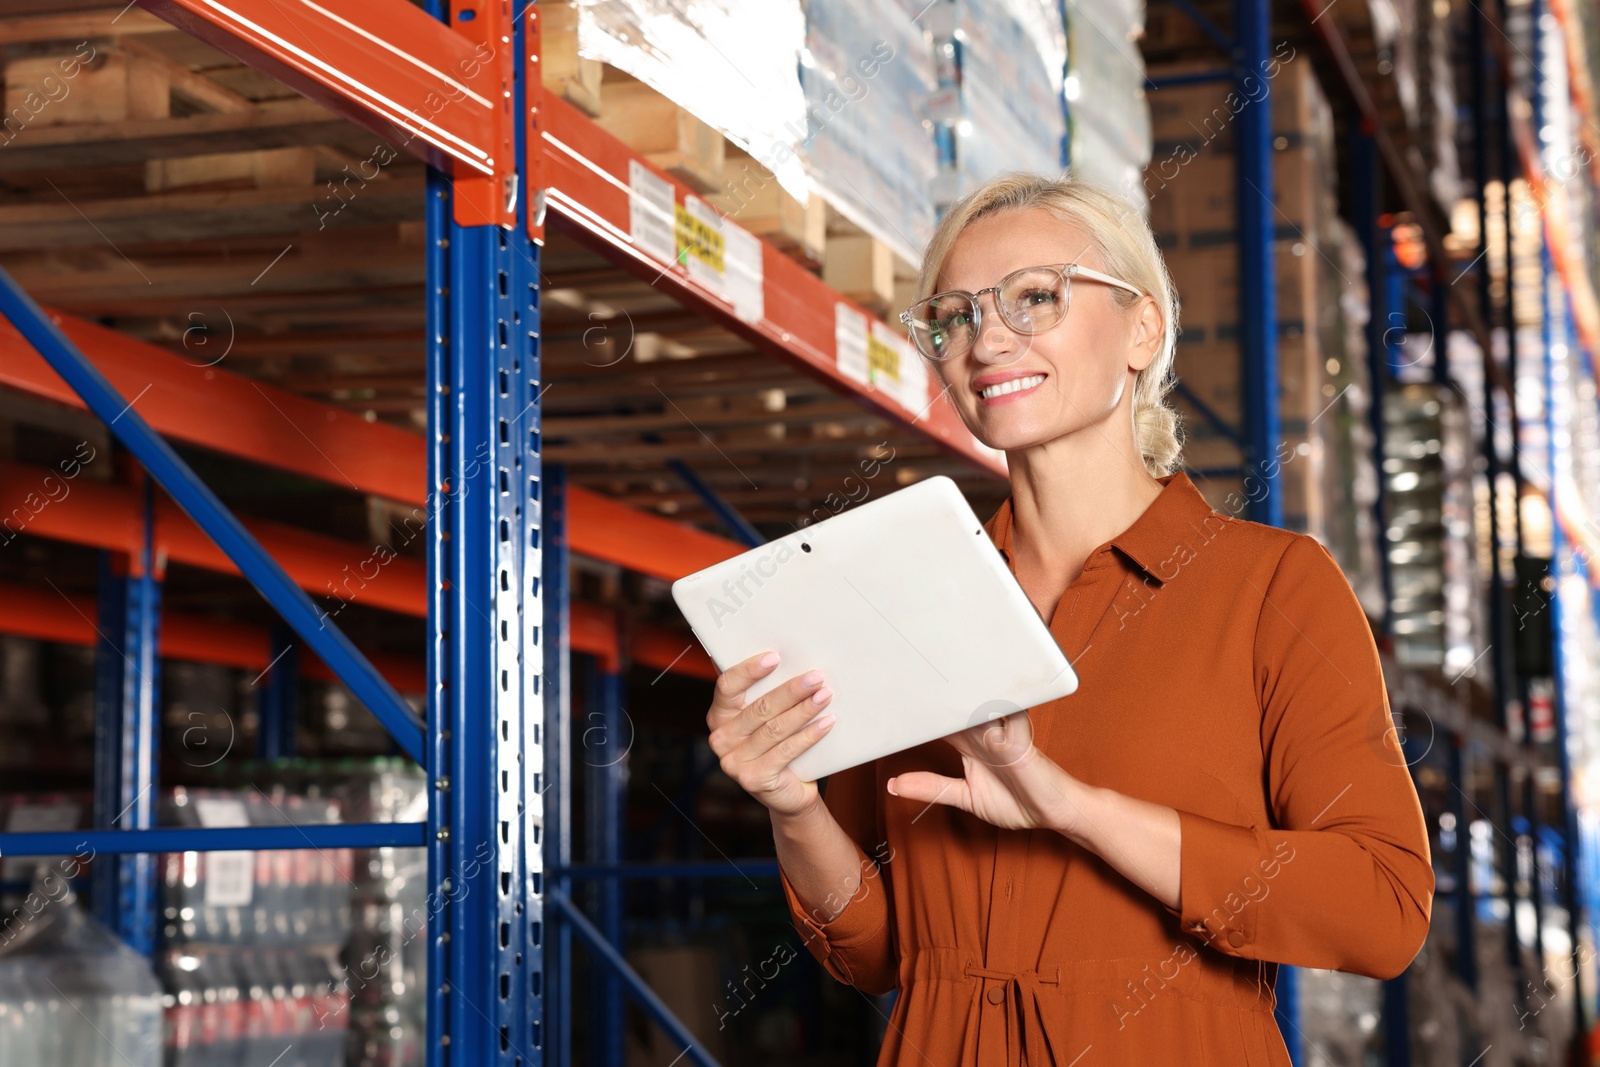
(857, 946)
(1344, 879)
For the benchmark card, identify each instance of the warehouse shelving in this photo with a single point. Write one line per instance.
(488, 849)
(515, 170)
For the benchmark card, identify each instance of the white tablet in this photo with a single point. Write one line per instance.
(907, 608)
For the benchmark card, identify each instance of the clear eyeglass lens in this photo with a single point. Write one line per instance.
(1030, 301)
(1034, 300)
(943, 325)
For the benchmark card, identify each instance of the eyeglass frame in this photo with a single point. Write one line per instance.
(1067, 270)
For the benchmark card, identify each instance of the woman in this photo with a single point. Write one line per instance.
(1111, 878)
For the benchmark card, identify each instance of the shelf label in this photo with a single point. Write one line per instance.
(650, 212)
(697, 229)
(49, 817)
(741, 254)
(883, 361)
(850, 343)
(230, 876)
(897, 369)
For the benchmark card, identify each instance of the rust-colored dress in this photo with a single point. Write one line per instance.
(1226, 670)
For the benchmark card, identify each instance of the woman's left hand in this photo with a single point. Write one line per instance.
(1005, 779)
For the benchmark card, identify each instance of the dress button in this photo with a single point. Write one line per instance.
(1235, 938)
(996, 995)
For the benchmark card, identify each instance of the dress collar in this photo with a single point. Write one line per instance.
(1176, 516)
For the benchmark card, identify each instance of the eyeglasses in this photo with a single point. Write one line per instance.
(1030, 300)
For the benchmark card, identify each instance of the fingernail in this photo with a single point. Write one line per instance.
(826, 721)
(769, 660)
(821, 695)
(892, 789)
(811, 678)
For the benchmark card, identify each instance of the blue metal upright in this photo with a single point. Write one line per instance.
(1555, 329)
(127, 707)
(1499, 642)
(278, 708)
(605, 765)
(1258, 330)
(1258, 295)
(557, 846)
(485, 988)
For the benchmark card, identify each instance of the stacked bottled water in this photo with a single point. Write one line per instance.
(250, 939)
(71, 993)
(385, 958)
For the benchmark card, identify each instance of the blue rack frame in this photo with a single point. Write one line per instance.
(127, 707)
(1259, 436)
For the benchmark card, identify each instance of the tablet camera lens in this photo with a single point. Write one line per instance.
(804, 547)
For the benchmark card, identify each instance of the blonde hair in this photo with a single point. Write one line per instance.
(1128, 250)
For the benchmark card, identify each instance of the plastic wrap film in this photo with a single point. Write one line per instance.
(867, 74)
(1425, 453)
(71, 993)
(1339, 1017)
(1349, 482)
(386, 957)
(1519, 1015)
(1438, 133)
(1104, 88)
(250, 938)
(1013, 70)
(1405, 59)
(731, 63)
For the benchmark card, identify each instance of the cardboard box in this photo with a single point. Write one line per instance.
(1229, 488)
(687, 979)
(752, 198)
(1194, 197)
(1205, 114)
(1211, 373)
(1207, 281)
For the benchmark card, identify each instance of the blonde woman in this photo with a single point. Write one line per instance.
(1112, 878)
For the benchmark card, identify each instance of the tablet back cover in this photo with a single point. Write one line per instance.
(907, 608)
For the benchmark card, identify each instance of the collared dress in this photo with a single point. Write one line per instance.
(1226, 670)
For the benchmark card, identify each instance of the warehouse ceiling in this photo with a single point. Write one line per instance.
(186, 200)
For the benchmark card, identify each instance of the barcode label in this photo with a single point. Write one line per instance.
(742, 255)
(850, 342)
(230, 879)
(650, 212)
(230, 876)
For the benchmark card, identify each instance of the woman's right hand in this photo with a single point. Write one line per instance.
(757, 741)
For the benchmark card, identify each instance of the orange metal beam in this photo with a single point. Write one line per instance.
(46, 615)
(188, 400)
(106, 516)
(439, 92)
(191, 398)
(69, 619)
(666, 650)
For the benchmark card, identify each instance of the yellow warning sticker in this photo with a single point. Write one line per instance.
(883, 360)
(697, 238)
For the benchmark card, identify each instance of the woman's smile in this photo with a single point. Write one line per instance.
(1010, 390)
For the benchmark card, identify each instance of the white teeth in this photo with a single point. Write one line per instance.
(1012, 386)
